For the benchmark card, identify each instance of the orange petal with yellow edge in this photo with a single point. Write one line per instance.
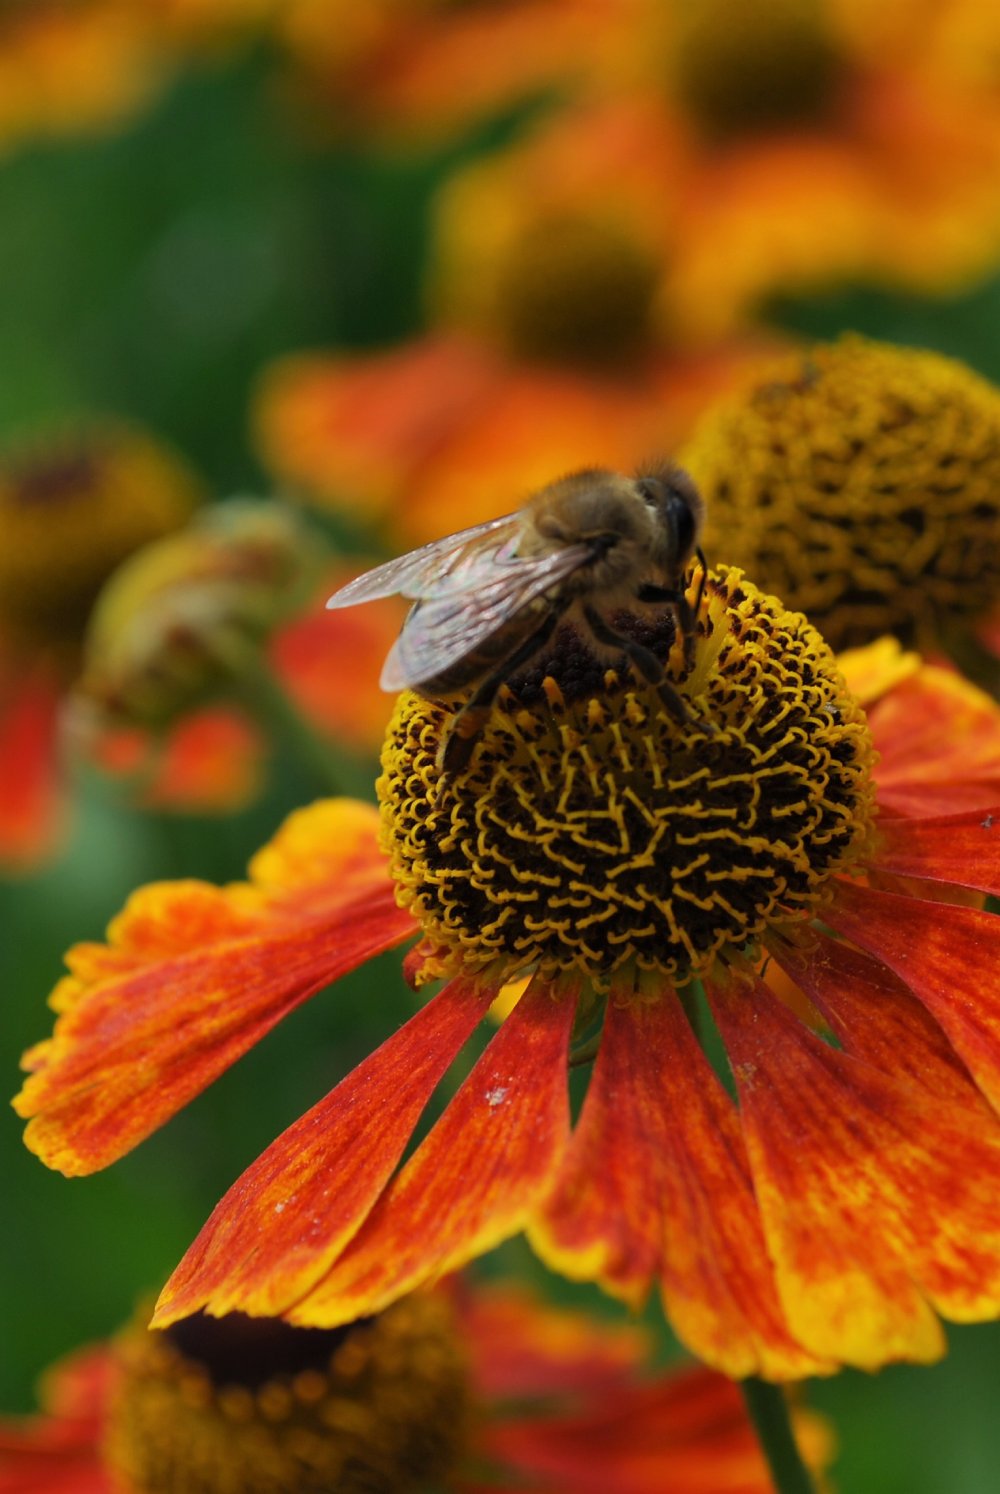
(193, 975)
(962, 850)
(876, 1018)
(353, 429)
(656, 1180)
(878, 1198)
(949, 957)
(938, 738)
(286, 1220)
(477, 1176)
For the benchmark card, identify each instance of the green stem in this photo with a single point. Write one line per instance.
(768, 1410)
(268, 702)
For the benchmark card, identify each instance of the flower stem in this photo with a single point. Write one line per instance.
(768, 1410)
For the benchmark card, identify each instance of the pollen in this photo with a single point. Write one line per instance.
(245, 1405)
(740, 68)
(594, 830)
(72, 507)
(862, 484)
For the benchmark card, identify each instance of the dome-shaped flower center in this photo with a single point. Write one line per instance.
(184, 616)
(573, 287)
(739, 67)
(71, 510)
(592, 829)
(862, 483)
(240, 1405)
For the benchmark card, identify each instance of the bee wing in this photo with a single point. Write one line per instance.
(434, 567)
(441, 629)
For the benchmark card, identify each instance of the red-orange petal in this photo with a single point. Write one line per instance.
(876, 1018)
(878, 1198)
(31, 798)
(193, 975)
(477, 1176)
(288, 1218)
(962, 850)
(685, 1432)
(518, 1345)
(329, 663)
(656, 1178)
(938, 738)
(949, 957)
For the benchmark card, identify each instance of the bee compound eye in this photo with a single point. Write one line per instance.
(684, 525)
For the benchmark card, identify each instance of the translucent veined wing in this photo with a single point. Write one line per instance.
(443, 565)
(443, 629)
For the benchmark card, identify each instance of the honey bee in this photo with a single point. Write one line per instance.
(488, 599)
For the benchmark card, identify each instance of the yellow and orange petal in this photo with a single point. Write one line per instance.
(318, 902)
(70, 68)
(443, 432)
(424, 70)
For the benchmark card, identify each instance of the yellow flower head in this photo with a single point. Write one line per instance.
(245, 1405)
(862, 483)
(72, 508)
(594, 833)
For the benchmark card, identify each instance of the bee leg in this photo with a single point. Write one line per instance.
(470, 719)
(643, 660)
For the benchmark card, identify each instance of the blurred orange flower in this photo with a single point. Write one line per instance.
(73, 505)
(558, 1401)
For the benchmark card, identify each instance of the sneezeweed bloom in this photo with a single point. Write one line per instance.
(73, 506)
(861, 482)
(187, 616)
(200, 634)
(797, 144)
(831, 142)
(830, 1213)
(548, 337)
(460, 1390)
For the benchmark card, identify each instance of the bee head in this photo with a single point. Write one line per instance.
(678, 508)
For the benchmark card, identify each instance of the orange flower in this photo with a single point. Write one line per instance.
(470, 1388)
(72, 507)
(619, 857)
(445, 431)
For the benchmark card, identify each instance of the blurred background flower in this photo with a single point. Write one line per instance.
(465, 1389)
(406, 261)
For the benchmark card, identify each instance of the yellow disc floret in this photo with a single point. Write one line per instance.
(592, 830)
(72, 507)
(861, 483)
(240, 1405)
